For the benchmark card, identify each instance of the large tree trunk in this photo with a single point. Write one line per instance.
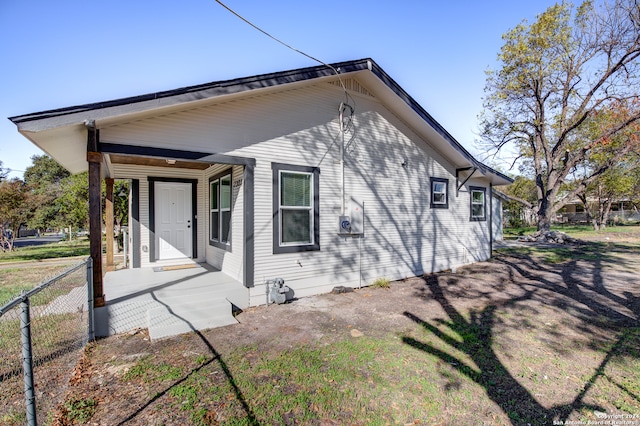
(545, 214)
(587, 210)
(603, 215)
(545, 203)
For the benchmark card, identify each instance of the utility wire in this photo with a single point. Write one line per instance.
(286, 45)
(347, 124)
(274, 38)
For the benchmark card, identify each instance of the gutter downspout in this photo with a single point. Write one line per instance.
(342, 192)
(490, 220)
(343, 129)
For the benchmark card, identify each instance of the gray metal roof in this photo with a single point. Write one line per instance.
(77, 114)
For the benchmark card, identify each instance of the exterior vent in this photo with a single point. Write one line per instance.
(353, 86)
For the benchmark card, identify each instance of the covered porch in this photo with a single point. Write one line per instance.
(168, 300)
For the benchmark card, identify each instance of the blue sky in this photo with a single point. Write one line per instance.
(56, 54)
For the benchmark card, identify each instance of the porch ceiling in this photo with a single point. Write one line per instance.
(157, 162)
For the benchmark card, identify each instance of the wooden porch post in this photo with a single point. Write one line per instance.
(108, 206)
(94, 158)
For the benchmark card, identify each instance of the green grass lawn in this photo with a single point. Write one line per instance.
(413, 377)
(78, 247)
(15, 280)
(577, 231)
(539, 352)
(19, 277)
(543, 352)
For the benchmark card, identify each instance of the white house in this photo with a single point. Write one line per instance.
(321, 176)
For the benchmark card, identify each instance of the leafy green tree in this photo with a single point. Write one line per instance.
(635, 191)
(45, 177)
(73, 203)
(121, 203)
(522, 201)
(43, 172)
(556, 79)
(615, 184)
(15, 210)
(61, 200)
(3, 172)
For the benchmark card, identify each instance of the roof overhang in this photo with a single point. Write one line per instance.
(62, 133)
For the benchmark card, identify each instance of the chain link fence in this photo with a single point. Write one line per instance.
(42, 333)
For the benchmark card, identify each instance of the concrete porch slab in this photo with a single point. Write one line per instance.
(168, 302)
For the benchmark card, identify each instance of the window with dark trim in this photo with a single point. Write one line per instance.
(220, 197)
(296, 208)
(439, 193)
(478, 203)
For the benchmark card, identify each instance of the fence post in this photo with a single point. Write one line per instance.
(91, 331)
(27, 362)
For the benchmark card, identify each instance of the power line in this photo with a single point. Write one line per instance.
(346, 123)
(274, 38)
(347, 96)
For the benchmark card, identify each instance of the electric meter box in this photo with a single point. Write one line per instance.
(354, 223)
(344, 225)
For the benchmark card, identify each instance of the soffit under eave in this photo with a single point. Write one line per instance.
(66, 145)
(482, 172)
(147, 161)
(498, 180)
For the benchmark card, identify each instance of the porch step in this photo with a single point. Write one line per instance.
(121, 317)
(164, 321)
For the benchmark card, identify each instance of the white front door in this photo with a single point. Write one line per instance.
(173, 220)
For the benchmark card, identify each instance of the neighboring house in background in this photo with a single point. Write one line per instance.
(246, 175)
(574, 211)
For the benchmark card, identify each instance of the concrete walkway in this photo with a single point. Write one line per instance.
(168, 302)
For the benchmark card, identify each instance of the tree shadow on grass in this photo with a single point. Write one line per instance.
(578, 282)
(474, 338)
(250, 416)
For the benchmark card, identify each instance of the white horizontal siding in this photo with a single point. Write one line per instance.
(230, 262)
(497, 219)
(142, 173)
(228, 126)
(404, 236)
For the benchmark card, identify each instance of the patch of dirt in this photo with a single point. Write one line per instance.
(526, 318)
